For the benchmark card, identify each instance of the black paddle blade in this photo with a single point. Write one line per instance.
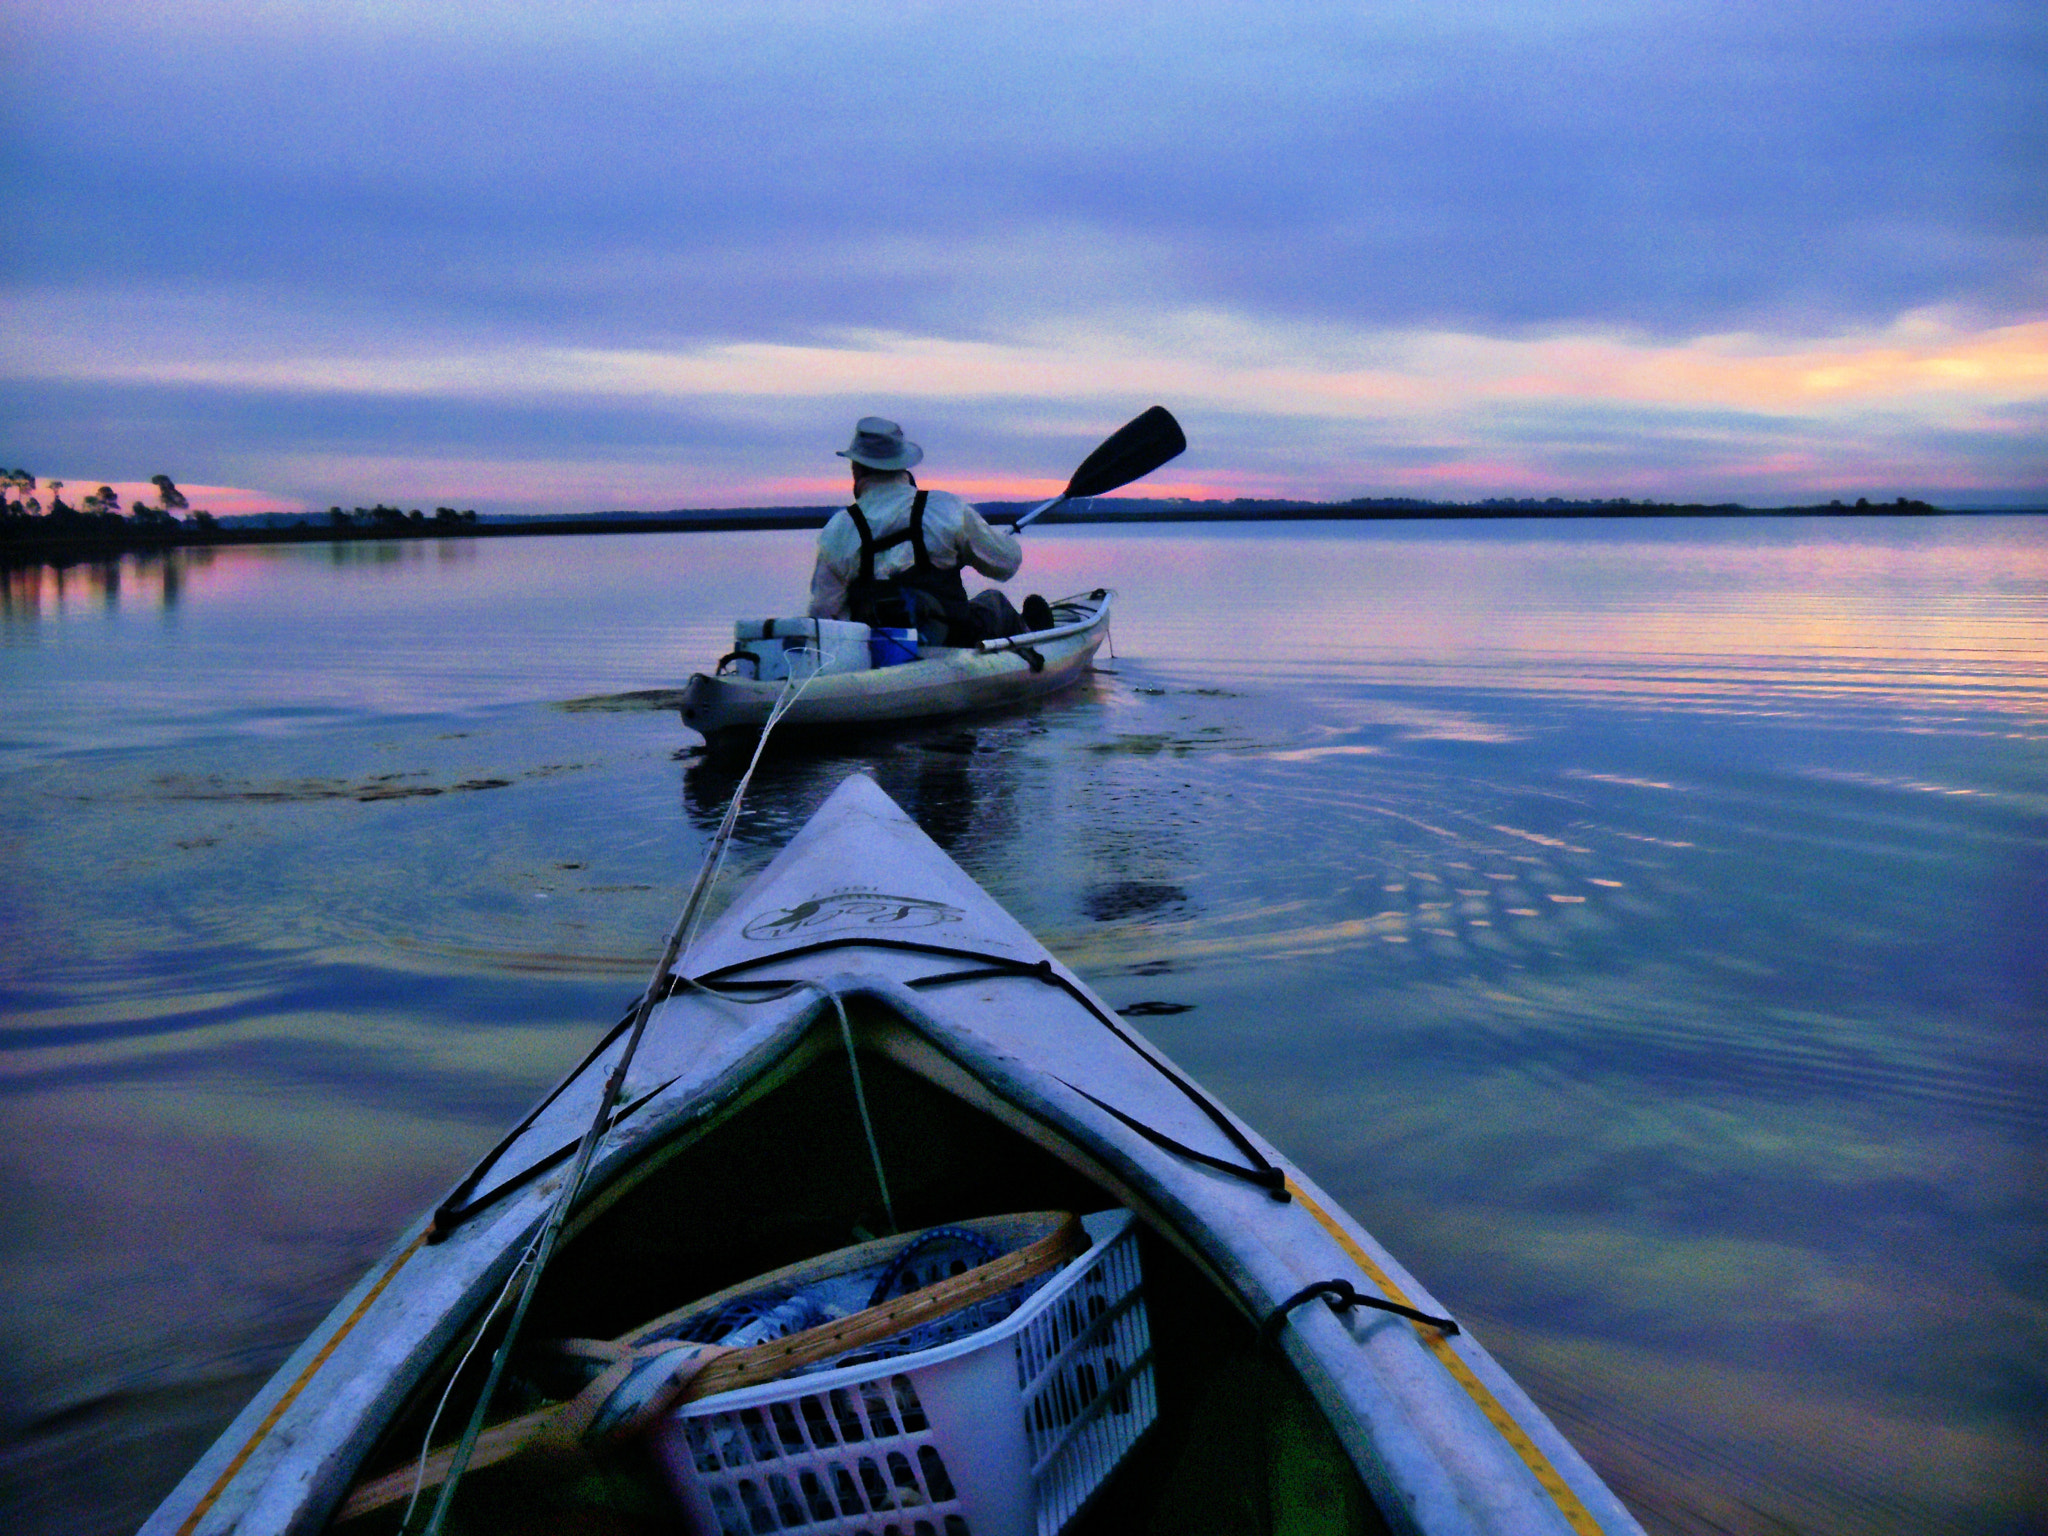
(1133, 450)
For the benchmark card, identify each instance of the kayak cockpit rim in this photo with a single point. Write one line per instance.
(887, 1017)
(1102, 597)
(886, 1030)
(1255, 1167)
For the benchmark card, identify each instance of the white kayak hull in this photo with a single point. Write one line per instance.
(948, 998)
(945, 681)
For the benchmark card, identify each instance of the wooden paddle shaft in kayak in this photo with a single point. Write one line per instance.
(561, 1427)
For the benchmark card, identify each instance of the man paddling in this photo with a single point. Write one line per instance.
(894, 557)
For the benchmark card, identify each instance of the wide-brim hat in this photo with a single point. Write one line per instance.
(880, 444)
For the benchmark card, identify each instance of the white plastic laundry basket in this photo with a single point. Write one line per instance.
(1003, 1433)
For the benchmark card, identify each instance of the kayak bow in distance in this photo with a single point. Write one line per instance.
(872, 678)
(736, 700)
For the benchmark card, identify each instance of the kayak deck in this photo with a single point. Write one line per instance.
(944, 681)
(864, 984)
(1236, 1430)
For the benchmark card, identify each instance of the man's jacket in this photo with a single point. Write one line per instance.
(955, 535)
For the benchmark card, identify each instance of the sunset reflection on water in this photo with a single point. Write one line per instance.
(1637, 926)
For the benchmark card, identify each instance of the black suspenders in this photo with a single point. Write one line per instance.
(921, 559)
(870, 546)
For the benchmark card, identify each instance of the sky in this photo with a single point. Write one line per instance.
(612, 254)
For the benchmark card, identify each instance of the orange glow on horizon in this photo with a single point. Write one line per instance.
(1917, 356)
(823, 490)
(1278, 412)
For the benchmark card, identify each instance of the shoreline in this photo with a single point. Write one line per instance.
(748, 520)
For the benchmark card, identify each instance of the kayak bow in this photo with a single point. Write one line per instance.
(865, 1030)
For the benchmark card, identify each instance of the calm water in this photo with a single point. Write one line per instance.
(1638, 926)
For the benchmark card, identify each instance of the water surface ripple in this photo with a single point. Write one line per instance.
(1636, 925)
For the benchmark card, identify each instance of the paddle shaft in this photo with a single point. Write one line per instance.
(1129, 453)
(1037, 512)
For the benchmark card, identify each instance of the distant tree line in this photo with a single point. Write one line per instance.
(1558, 505)
(35, 512)
(381, 516)
(24, 514)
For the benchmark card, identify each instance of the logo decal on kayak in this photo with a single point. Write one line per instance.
(852, 909)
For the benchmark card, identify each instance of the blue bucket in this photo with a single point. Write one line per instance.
(891, 647)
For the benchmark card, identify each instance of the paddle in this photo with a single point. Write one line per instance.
(1129, 453)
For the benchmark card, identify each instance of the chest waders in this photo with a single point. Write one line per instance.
(917, 596)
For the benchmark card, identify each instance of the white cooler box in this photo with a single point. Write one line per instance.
(779, 648)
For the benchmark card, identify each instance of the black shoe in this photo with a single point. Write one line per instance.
(1037, 614)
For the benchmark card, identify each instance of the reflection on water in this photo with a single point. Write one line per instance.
(29, 592)
(1637, 926)
(157, 578)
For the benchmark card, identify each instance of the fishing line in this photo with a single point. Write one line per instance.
(714, 860)
(543, 1249)
(860, 1098)
(419, 1475)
